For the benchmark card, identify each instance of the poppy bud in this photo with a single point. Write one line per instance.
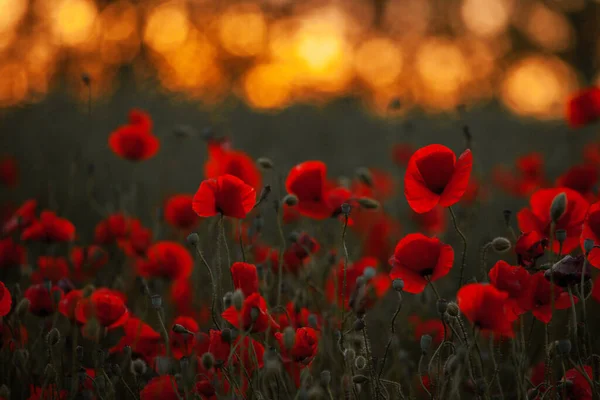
(588, 245)
(501, 245)
(360, 282)
(398, 285)
(563, 347)
(558, 206)
(359, 379)
(349, 355)
(156, 301)
(507, 214)
(313, 321)
(79, 353)
(369, 273)
(289, 337)
(227, 299)
(88, 290)
(368, 203)
(193, 239)
(264, 163)
(364, 175)
(208, 360)
(442, 305)
(177, 328)
(561, 235)
(53, 337)
(425, 343)
(360, 363)
(238, 299)
(346, 208)
(23, 307)
(325, 378)
(290, 200)
(138, 367)
(452, 310)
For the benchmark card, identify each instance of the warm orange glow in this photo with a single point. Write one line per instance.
(120, 40)
(267, 86)
(243, 30)
(13, 85)
(538, 86)
(486, 17)
(549, 29)
(73, 21)
(167, 27)
(378, 62)
(407, 17)
(12, 13)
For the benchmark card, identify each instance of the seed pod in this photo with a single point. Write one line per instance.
(290, 200)
(208, 360)
(369, 273)
(138, 367)
(346, 208)
(238, 299)
(398, 285)
(193, 239)
(563, 347)
(156, 301)
(264, 163)
(558, 206)
(442, 305)
(368, 203)
(359, 324)
(360, 363)
(501, 245)
(453, 310)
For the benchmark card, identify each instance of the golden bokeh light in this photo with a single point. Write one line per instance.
(73, 21)
(486, 17)
(167, 27)
(243, 30)
(538, 86)
(268, 86)
(13, 85)
(548, 29)
(12, 13)
(378, 62)
(119, 30)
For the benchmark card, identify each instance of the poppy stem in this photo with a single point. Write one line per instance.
(484, 252)
(464, 240)
(214, 288)
(224, 239)
(437, 294)
(420, 370)
(392, 329)
(241, 242)
(344, 281)
(280, 261)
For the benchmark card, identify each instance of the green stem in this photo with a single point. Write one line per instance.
(464, 252)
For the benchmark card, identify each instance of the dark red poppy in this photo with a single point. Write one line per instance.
(183, 344)
(21, 218)
(377, 231)
(245, 277)
(583, 107)
(591, 154)
(308, 182)
(298, 253)
(68, 304)
(226, 195)
(596, 290)
(538, 298)
(105, 306)
(42, 300)
(12, 254)
(246, 351)
(87, 261)
(305, 346)
(49, 228)
(537, 217)
(140, 239)
(431, 327)
(381, 187)
(290, 214)
(5, 300)
(434, 176)
(166, 259)
(591, 230)
(134, 141)
(418, 259)
(529, 247)
(253, 316)
(141, 337)
(51, 269)
(432, 222)
(581, 178)
(296, 317)
(513, 280)
(579, 389)
(528, 177)
(179, 213)
(113, 229)
(162, 387)
(487, 308)
(9, 171)
(374, 289)
(401, 154)
(222, 160)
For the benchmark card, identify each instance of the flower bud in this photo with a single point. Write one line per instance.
(177, 328)
(453, 310)
(238, 299)
(227, 299)
(349, 355)
(425, 343)
(563, 347)
(369, 273)
(588, 245)
(156, 301)
(23, 308)
(558, 206)
(442, 305)
(289, 337)
(53, 337)
(290, 200)
(368, 203)
(398, 285)
(264, 163)
(325, 378)
(360, 362)
(561, 235)
(501, 245)
(364, 175)
(193, 239)
(138, 367)
(208, 360)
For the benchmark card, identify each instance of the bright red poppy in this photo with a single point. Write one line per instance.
(591, 230)
(43, 301)
(49, 228)
(226, 195)
(537, 217)
(183, 344)
(513, 280)
(538, 298)
(245, 277)
(308, 182)
(528, 177)
(305, 346)
(581, 178)
(166, 259)
(222, 160)
(432, 327)
(487, 308)
(12, 254)
(529, 247)
(162, 387)
(419, 259)
(141, 337)
(5, 300)
(105, 306)
(51, 269)
(134, 141)
(179, 213)
(579, 389)
(68, 304)
(9, 171)
(87, 261)
(435, 176)
(253, 316)
(583, 107)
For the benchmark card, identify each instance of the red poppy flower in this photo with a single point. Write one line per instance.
(431, 327)
(591, 230)
(432, 222)
(22, 218)
(583, 107)
(42, 300)
(183, 344)
(528, 178)
(418, 259)
(581, 178)
(11, 254)
(50, 228)
(290, 214)
(140, 239)
(254, 315)
(245, 277)
(298, 254)
(226, 195)
(222, 160)
(434, 176)
(529, 247)
(377, 230)
(512, 280)
(382, 186)
(308, 182)
(51, 269)
(103, 305)
(134, 141)
(68, 304)
(305, 346)
(591, 154)
(5, 300)
(87, 261)
(296, 317)
(113, 229)
(9, 172)
(162, 387)
(537, 218)
(487, 308)
(141, 337)
(168, 260)
(179, 213)
(538, 298)
(246, 351)
(401, 154)
(579, 389)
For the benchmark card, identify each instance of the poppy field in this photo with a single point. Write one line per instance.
(285, 282)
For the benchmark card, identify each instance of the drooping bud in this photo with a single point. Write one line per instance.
(238, 299)
(501, 245)
(368, 203)
(425, 343)
(193, 239)
(359, 324)
(23, 308)
(563, 347)
(561, 235)
(208, 360)
(264, 163)
(227, 299)
(290, 200)
(452, 309)
(264, 193)
(346, 208)
(177, 328)
(313, 321)
(442, 305)
(558, 207)
(398, 285)
(349, 355)
(364, 175)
